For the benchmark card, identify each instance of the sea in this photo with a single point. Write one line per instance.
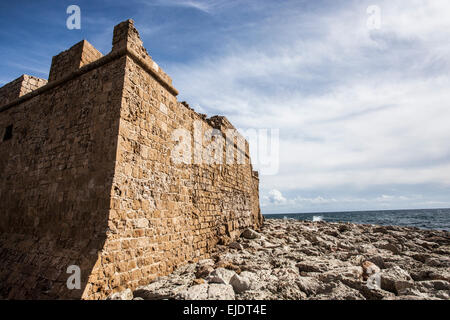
(437, 219)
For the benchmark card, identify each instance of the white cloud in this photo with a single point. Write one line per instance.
(275, 197)
(355, 108)
(207, 6)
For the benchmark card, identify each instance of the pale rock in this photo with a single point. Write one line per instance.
(217, 291)
(369, 268)
(255, 281)
(220, 275)
(197, 292)
(123, 295)
(309, 285)
(395, 279)
(240, 283)
(391, 247)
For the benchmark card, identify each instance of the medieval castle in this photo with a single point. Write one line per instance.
(87, 177)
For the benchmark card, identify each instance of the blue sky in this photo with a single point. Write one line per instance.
(363, 114)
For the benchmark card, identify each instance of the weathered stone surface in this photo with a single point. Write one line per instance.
(395, 279)
(240, 283)
(236, 245)
(369, 268)
(221, 275)
(391, 247)
(124, 295)
(204, 271)
(197, 292)
(218, 291)
(299, 260)
(88, 177)
(250, 234)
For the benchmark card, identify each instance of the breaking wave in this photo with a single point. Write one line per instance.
(317, 218)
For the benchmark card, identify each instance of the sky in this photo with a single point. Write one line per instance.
(360, 98)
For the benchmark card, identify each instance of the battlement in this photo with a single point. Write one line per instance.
(126, 38)
(82, 57)
(73, 59)
(223, 124)
(19, 87)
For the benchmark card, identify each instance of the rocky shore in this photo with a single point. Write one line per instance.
(290, 259)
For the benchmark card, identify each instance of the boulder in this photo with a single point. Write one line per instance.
(203, 271)
(391, 247)
(166, 287)
(221, 275)
(309, 285)
(217, 291)
(250, 234)
(395, 279)
(240, 283)
(378, 260)
(197, 292)
(236, 245)
(369, 268)
(123, 295)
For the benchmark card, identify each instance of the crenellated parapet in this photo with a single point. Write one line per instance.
(19, 87)
(73, 59)
(126, 38)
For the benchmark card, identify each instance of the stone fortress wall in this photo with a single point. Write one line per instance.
(87, 176)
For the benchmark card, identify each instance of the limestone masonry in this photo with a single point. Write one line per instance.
(87, 177)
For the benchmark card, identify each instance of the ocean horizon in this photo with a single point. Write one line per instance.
(436, 219)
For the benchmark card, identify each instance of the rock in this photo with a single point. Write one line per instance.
(305, 260)
(206, 262)
(310, 267)
(236, 245)
(369, 268)
(338, 291)
(197, 292)
(218, 291)
(378, 260)
(269, 245)
(353, 272)
(395, 279)
(250, 234)
(138, 298)
(123, 295)
(344, 227)
(167, 287)
(240, 283)
(228, 265)
(422, 257)
(186, 269)
(380, 229)
(203, 271)
(199, 281)
(438, 262)
(224, 240)
(221, 275)
(433, 285)
(391, 247)
(309, 285)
